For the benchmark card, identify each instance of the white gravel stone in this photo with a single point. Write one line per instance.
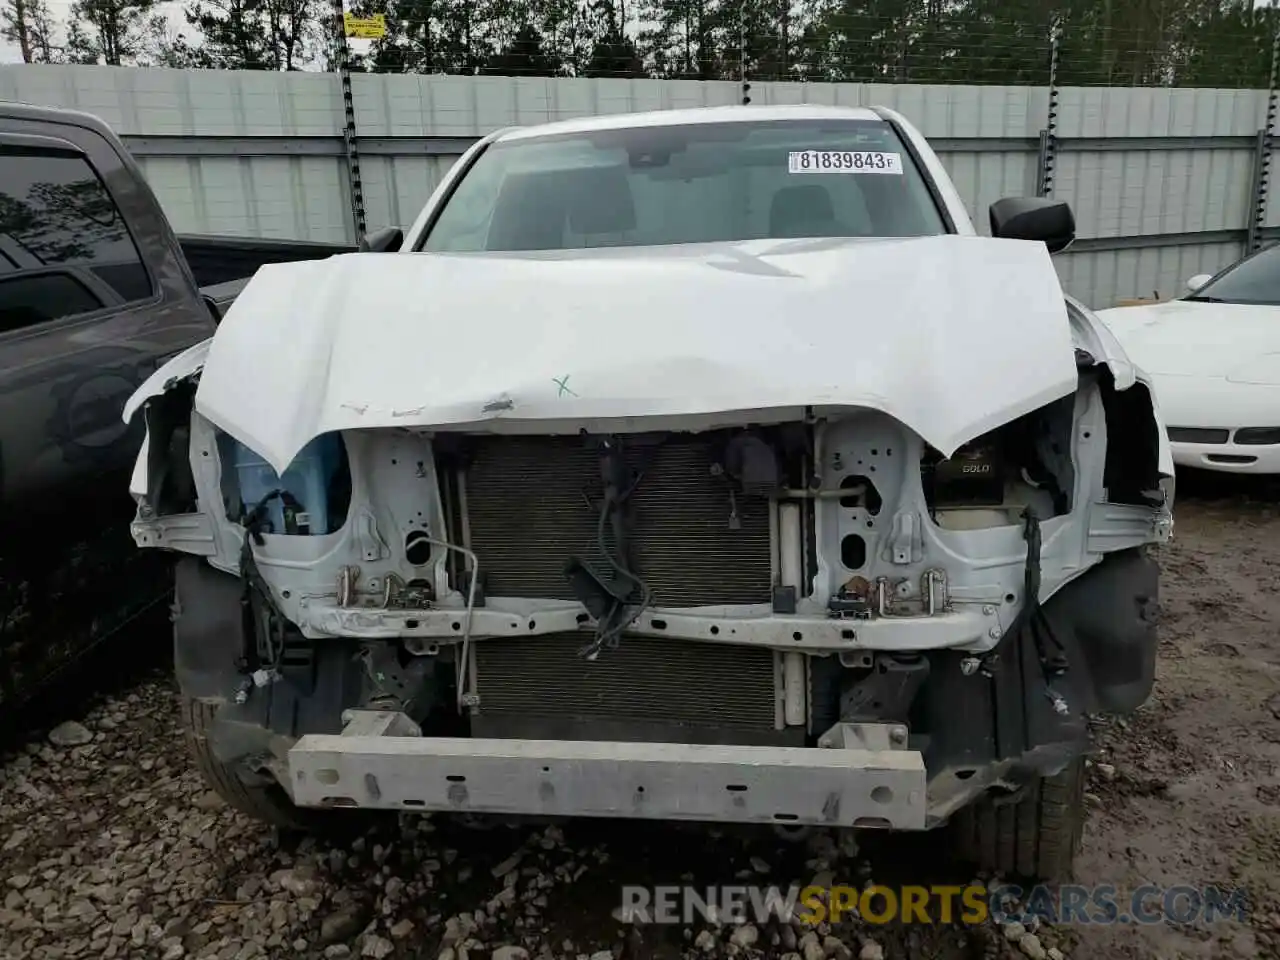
(1030, 945)
(508, 865)
(1013, 932)
(70, 734)
(871, 951)
(745, 935)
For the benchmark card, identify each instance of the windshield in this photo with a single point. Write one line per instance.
(1255, 279)
(688, 183)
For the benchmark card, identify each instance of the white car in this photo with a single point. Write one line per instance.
(1214, 356)
(697, 465)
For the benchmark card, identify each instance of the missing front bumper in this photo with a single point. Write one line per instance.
(660, 781)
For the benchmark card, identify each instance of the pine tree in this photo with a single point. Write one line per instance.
(113, 32)
(29, 25)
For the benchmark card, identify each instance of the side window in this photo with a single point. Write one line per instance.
(64, 247)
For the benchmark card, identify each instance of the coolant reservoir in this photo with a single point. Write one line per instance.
(307, 480)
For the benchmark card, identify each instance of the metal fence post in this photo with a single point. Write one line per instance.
(1266, 144)
(1048, 136)
(342, 60)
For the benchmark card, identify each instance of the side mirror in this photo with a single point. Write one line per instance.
(1198, 281)
(386, 240)
(1034, 218)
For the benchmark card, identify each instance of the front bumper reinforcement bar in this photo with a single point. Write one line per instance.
(374, 764)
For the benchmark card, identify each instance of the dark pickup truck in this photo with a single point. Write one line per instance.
(96, 292)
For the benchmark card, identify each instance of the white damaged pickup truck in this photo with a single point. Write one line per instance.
(699, 465)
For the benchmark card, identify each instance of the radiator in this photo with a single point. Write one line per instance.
(532, 504)
(648, 688)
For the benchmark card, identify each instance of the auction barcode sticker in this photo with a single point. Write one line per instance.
(844, 161)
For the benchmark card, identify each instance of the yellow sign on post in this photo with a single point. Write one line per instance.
(365, 28)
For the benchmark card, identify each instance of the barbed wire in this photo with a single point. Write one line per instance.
(866, 50)
(809, 45)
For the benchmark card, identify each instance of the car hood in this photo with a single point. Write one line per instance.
(1185, 338)
(950, 335)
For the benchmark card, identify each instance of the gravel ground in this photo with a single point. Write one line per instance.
(111, 847)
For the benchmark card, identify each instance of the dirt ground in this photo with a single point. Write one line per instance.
(1195, 797)
(113, 847)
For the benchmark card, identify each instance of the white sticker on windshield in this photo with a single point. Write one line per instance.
(844, 161)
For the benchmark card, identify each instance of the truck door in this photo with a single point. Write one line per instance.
(93, 296)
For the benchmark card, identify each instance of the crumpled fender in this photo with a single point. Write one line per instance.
(185, 364)
(1095, 338)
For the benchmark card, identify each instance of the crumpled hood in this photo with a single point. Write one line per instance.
(950, 335)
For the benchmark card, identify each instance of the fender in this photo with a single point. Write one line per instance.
(1093, 337)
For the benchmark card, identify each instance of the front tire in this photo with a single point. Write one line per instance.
(1035, 835)
(265, 802)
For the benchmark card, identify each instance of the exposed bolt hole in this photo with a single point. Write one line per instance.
(848, 635)
(1087, 434)
(417, 548)
(411, 624)
(286, 594)
(658, 624)
(882, 794)
(872, 823)
(875, 452)
(639, 789)
(204, 453)
(715, 631)
(456, 778)
(1009, 598)
(456, 625)
(736, 787)
(546, 769)
(853, 552)
(870, 524)
(394, 461)
(868, 496)
(533, 624)
(797, 636)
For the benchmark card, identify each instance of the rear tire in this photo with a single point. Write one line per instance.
(1035, 836)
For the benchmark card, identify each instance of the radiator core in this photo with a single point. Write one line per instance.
(532, 503)
(649, 689)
